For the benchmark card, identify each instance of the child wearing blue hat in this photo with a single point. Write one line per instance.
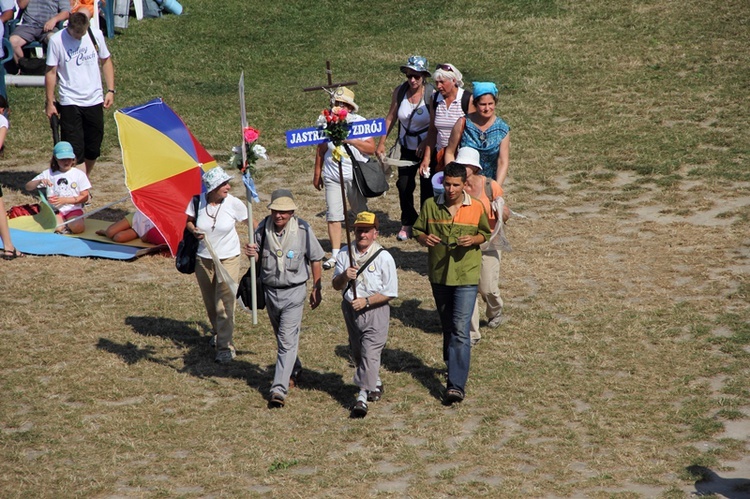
(67, 188)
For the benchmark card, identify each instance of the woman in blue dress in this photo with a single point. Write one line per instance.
(484, 131)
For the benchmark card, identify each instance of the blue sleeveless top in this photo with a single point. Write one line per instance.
(486, 142)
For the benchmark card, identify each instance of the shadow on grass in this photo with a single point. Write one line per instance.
(198, 356)
(415, 261)
(198, 359)
(331, 383)
(710, 483)
(410, 315)
(16, 180)
(400, 361)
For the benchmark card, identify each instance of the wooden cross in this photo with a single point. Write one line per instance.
(330, 89)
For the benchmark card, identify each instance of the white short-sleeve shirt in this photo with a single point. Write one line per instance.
(68, 184)
(379, 276)
(223, 235)
(78, 76)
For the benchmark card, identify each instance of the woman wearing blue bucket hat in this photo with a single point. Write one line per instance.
(410, 109)
(484, 131)
(214, 224)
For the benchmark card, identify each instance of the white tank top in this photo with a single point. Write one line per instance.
(419, 121)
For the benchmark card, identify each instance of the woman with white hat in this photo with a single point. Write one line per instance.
(218, 212)
(326, 174)
(410, 109)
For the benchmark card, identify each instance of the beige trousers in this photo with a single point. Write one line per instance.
(489, 290)
(218, 297)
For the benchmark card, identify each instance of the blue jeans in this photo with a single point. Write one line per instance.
(455, 304)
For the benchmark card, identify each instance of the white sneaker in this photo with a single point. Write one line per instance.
(329, 264)
(496, 321)
(226, 356)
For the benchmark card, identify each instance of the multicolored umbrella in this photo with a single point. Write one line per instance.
(163, 164)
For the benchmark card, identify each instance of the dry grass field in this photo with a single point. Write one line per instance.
(623, 369)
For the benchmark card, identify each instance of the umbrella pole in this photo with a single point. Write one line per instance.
(346, 222)
(88, 214)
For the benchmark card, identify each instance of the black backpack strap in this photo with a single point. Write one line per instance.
(402, 91)
(259, 263)
(362, 268)
(465, 99)
(435, 101)
(196, 203)
(399, 97)
(429, 90)
(93, 39)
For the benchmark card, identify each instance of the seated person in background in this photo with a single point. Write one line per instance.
(87, 5)
(6, 14)
(38, 23)
(4, 125)
(134, 225)
(67, 188)
(9, 252)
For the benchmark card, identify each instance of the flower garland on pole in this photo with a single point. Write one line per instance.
(253, 152)
(334, 125)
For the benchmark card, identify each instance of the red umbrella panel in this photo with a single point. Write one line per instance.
(163, 164)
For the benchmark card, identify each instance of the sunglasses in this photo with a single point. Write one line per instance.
(415, 76)
(446, 67)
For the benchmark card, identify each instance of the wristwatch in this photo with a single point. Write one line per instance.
(367, 302)
(112, 90)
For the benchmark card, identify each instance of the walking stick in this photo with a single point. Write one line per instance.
(54, 123)
(346, 221)
(330, 89)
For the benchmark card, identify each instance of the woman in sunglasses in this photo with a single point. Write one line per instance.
(410, 109)
(449, 104)
(484, 131)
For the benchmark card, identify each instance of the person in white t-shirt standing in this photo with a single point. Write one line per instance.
(73, 57)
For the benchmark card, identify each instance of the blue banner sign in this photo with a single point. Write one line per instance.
(314, 136)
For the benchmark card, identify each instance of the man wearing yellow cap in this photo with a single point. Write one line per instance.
(367, 285)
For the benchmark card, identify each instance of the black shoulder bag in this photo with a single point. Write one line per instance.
(245, 288)
(187, 250)
(369, 177)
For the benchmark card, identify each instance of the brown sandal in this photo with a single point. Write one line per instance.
(12, 254)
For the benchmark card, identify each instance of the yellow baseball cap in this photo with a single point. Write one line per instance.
(366, 220)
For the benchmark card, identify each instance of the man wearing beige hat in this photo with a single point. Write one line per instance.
(367, 285)
(289, 253)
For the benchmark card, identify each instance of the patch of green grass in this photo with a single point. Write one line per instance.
(280, 465)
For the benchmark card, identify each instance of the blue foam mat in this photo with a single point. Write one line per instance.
(47, 243)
